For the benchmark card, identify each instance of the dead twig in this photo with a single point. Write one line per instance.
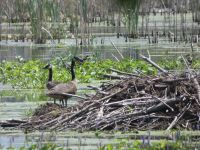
(194, 80)
(124, 73)
(178, 117)
(154, 64)
(117, 50)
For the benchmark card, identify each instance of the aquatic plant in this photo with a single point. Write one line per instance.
(29, 74)
(47, 146)
(120, 144)
(141, 145)
(22, 74)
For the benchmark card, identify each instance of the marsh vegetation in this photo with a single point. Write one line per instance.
(114, 34)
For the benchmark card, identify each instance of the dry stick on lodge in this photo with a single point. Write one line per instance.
(111, 76)
(194, 80)
(72, 95)
(154, 64)
(156, 108)
(136, 112)
(86, 108)
(124, 73)
(97, 89)
(127, 101)
(178, 117)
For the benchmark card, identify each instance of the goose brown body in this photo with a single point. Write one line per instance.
(50, 84)
(60, 90)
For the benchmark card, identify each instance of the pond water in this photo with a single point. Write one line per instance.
(100, 47)
(100, 41)
(18, 103)
(71, 140)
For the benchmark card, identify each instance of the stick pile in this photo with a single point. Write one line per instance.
(134, 103)
(161, 102)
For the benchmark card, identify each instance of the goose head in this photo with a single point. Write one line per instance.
(81, 60)
(48, 66)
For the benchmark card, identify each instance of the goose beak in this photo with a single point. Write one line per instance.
(68, 66)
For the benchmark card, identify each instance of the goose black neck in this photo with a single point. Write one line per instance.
(50, 74)
(72, 69)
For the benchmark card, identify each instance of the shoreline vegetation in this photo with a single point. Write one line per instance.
(30, 75)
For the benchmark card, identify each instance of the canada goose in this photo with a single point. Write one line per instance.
(50, 84)
(60, 90)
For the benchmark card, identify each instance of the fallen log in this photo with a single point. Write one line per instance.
(11, 123)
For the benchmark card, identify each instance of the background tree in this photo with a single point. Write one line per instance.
(130, 9)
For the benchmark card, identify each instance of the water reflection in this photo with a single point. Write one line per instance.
(9, 50)
(100, 46)
(17, 95)
(72, 140)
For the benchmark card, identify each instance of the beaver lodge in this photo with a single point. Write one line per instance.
(166, 101)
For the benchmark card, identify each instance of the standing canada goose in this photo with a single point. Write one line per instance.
(50, 84)
(60, 90)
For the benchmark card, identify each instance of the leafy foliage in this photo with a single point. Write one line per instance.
(47, 146)
(138, 145)
(31, 75)
(21, 74)
(124, 144)
(172, 64)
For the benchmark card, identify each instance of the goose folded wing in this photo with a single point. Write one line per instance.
(52, 84)
(58, 90)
